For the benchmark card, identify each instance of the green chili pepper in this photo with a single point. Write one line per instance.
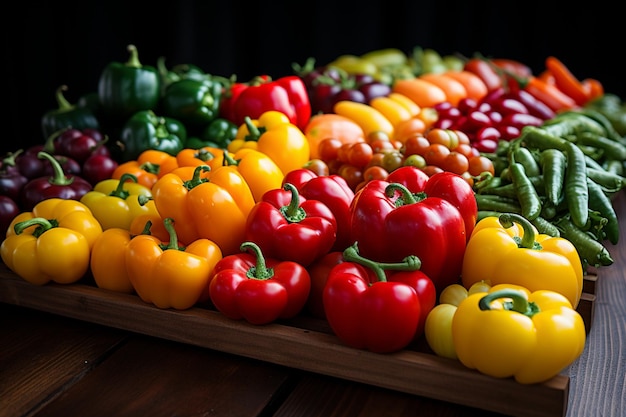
(526, 193)
(525, 157)
(545, 227)
(126, 88)
(145, 130)
(610, 148)
(220, 131)
(591, 251)
(553, 164)
(606, 179)
(576, 190)
(539, 138)
(67, 115)
(486, 202)
(601, 203)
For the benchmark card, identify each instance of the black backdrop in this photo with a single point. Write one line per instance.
(53, 43)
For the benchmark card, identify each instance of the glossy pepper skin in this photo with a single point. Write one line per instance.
(258, 289)
(115, 203)
(334, 192)
(287, 95)
(513, 332)
(214, 208)
(67, 115)
(260, 171)
(508, 249)
(145, 130)
(51, 243)
(167, 274)
(126, 88)
(274, 135)
(391, 221)
(193, 102)
(376, 306)
(58, 185)
(288, 227)
(149, 166)
(108, 260)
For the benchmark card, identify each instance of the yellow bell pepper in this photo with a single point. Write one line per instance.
(508, 250)
(214, 208)
(51, 243)
(260, 171)
(275, 136)
(513, 332)
(115, 203)
(168, 275)
(438, 327)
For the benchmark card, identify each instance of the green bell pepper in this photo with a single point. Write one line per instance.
(194, 102)
(126, 88)
(145, 130)
(67, 115)
(220, 132)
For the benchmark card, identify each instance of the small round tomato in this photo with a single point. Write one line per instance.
(328, 149)
(393, 160)
(359, 154)
(435, 154)
(415, 160)
(479, 164)
(375, 172)
(415, 145)
(455, 162)
(431, 170)
(353, 175)
(318, 166)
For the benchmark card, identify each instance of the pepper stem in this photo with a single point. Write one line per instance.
(58, 177)
(410, 263)
(518, 302)
(260, 270)
(293, 213)
(168, 222)
(119, 190)
(196, 180)
(42, 224)
(254, 132)
(406, 196)
(62, 102)
(229, 160)
(528, 240)
(133, 59)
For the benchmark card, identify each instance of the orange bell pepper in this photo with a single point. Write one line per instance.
(168, 275)
(260, 171)
(275, 136)
(214, 208)
(213, 157)
(149, 166)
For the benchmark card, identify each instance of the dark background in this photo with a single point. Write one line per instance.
(53, 43)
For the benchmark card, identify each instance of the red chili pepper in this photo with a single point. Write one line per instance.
(289, 227)
(377, 306)
(258, 289)
(334, 192)
(485, 71)
(287, 95)
(391, 221)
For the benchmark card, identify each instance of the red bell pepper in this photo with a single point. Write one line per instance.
(258, 289)
(287, 95)
(334, 192)
(391, 221)
(289, 227)
(381, 307)
(319, 272)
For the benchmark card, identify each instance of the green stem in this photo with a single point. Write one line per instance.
(293, 212)
(42, 224)
(58, 177)
(119, 190)
(62, 102)
(528, 240)
(229, 160)
(254, 132)
(518, 302)
(133, 59)
(260, 270)
(168, 222)
(406, 196)
(410, 263)
(196, 180)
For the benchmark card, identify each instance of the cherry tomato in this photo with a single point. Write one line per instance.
(375, 172)
(353, 175)
(479, 164)
(431, 170)
(455, 162)
(415, 145)
(328, 149)
(415, 160)
(393, 160)
(435, 154)
(318, 166)
(359, 154)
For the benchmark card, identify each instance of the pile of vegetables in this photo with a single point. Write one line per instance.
(397, 197)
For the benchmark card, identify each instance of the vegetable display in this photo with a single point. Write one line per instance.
(400, 199)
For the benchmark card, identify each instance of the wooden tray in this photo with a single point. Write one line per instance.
(303, 343)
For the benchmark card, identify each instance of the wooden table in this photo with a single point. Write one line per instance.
(51, 365)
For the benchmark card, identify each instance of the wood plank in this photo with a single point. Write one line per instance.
(408, 371)
(26, 356)
(196, 382)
